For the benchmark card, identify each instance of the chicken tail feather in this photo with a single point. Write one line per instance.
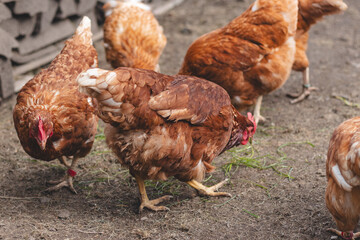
(83, 31)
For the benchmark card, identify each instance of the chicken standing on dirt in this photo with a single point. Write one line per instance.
(310, 11)
(249, 57)
(52, 118)
(342, 170)
(162, 126)
(132, 35)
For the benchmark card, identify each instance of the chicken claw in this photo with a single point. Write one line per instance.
(257, 115)
(307, 89)
(151, 204)
(209, 191)
(345, 235)
(66, 181)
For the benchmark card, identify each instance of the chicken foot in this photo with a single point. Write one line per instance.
(150, 204)
(307, 89)
(209, 191)
(67, 180)
(345, 235)
(62, 159)
(257, 115)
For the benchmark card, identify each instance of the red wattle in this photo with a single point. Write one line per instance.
(71, 172)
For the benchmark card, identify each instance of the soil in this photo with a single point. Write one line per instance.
(265, 204)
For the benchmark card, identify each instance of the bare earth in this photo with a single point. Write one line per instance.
(265, 204)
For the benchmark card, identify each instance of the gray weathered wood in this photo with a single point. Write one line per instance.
(26, 24)
(5, 12)
(57, 32)
(85, 6)
(21, 80)
(30, 6)
(67, 8)
(7, 42)
(11, 26)
(47, 17)
(6, 78)
(22, 59)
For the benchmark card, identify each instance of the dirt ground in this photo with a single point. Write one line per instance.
(282, 197)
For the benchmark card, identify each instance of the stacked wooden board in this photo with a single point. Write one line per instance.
(32, 33)
(29, 29)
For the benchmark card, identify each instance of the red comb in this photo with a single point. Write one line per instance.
(41, 133)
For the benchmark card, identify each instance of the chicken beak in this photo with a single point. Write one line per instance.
(42, 144)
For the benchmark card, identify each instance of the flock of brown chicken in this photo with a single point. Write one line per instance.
(161, 126)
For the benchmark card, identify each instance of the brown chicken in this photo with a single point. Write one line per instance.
(132, 35)
(310, 11)
(52, 118)
(343, 174)
(249, 57)
(162, 126)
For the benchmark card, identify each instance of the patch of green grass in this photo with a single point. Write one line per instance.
(251, 214)
(347, 102)
(100, 136)
(171, 186)
(247, 156)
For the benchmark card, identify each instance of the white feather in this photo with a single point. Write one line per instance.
(340, 179)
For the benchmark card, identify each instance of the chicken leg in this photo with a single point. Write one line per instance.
(257, 115)
(209, 191)
(306, 89)
(150, 204)
(345, 235)
(67, 180)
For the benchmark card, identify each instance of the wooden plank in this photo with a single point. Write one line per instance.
(26, 24)
(5, 12)
(21, 80)
(67, 8)
(58, 31)
(22, 59)
(48, 16)
(85, 6)
(11, 26)
(6, 80)
(7, 42)
(30, 7)
(34, 64)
